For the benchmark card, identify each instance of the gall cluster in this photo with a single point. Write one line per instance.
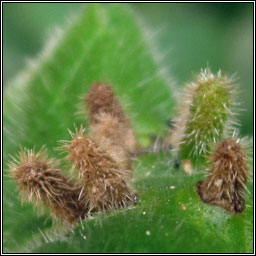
(101, 159)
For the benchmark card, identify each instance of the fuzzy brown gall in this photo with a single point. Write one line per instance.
(101, 99)
(41, 182)
(226, 183)
(104, 183)
(108, 133)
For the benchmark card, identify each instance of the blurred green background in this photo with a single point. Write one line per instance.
(190, 36)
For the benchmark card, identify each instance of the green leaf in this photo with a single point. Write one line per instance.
(107, 43)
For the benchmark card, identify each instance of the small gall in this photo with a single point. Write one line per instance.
(226, 182)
